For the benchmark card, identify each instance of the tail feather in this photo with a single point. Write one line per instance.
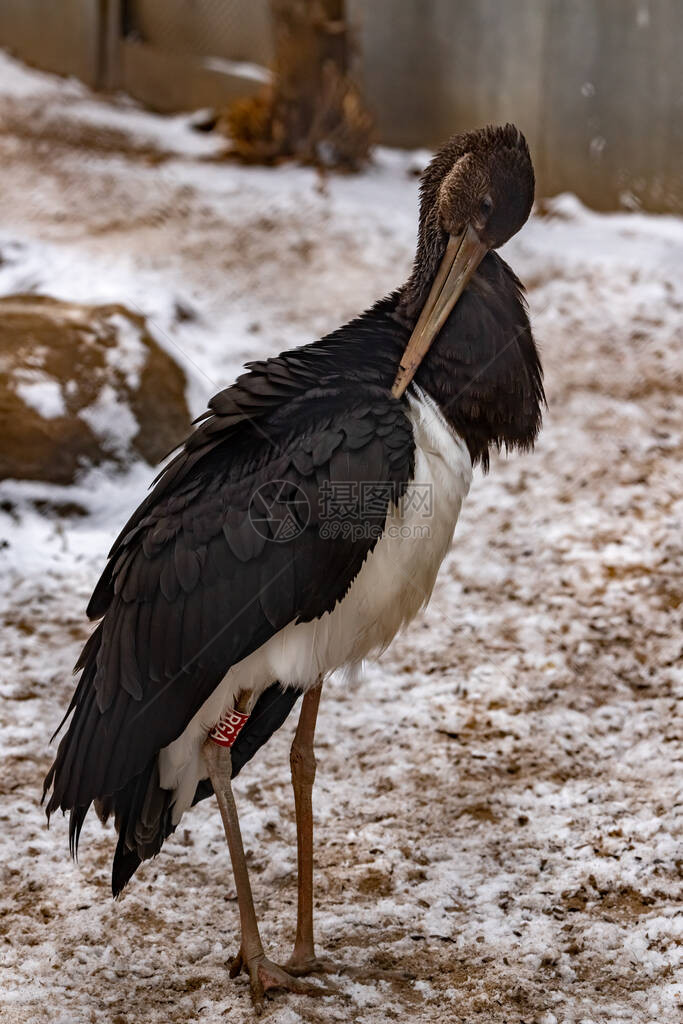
(62, 776)
(141, 809)
(144, 812)
(76, 819)
(87, 655)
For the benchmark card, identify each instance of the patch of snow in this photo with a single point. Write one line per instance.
(21, 82)
(129, 355)
(41, 393)
(67, 97)
(239, 68)
(112, 420)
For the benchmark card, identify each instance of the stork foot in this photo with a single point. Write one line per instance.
(266, 976)
(299, 966)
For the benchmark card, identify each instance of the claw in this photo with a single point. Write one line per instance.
(266, 976)
(237, 964)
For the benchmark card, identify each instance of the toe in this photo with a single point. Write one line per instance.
(299, 966)
(237, 964)
(273, 977)
(257, 997)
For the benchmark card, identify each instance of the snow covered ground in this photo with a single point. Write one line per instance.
(498, 800)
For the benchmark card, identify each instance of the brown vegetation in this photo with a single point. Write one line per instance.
(313, 112)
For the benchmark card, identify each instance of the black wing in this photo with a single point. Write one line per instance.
(191, 587)
(143, 810)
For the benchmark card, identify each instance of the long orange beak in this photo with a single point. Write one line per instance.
(463, 255)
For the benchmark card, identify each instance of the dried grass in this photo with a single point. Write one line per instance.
(314, 112)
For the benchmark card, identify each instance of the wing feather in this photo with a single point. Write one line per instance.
(193, 585)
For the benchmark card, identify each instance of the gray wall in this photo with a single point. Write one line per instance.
(175, 52)
(596, 85)
(169, 54)
(612, 111)
(57, 35)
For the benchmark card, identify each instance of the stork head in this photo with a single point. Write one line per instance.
(476, 193)
(483, 180)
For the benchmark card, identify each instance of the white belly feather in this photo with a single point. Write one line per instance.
(395, 581)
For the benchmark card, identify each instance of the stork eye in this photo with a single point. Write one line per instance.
(486, 205)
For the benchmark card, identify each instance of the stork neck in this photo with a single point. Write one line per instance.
(411, 298)
(431, 247)
(483, 369)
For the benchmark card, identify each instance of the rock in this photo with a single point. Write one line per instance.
(81, 386)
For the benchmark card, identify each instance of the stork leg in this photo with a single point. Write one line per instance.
(302, 759)
(264, 975)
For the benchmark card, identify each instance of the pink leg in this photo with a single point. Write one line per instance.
(302, 760)
(264, 975)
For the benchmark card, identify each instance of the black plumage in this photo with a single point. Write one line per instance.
(269, 713)
(191, 587)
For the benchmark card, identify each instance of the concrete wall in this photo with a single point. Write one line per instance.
(612, 110)
(184, 54)
(234, 29)
(57, 35)
(169, 54)
(596, 85)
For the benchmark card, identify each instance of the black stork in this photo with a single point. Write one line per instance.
(282, 541)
